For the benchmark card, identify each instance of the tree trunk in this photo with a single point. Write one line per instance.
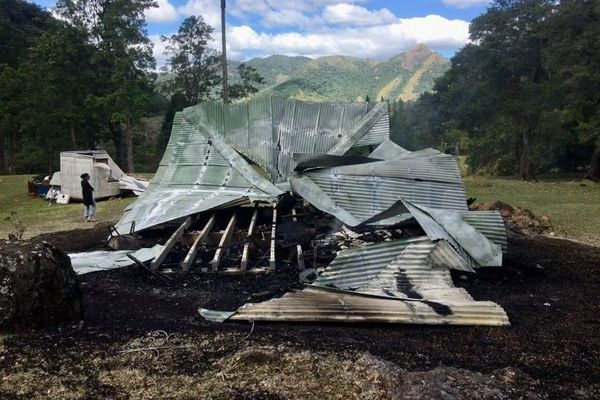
(73, 137)
(594, 171)
(524, 162)
(117, 138)
(128, 139)
(2, 153)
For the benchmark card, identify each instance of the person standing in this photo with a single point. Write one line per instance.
(89, 211)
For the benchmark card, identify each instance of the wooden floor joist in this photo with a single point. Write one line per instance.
(158, 260)
(299, 254)
(216, 261)
(272, 259)
(200, 237)
(245, 252)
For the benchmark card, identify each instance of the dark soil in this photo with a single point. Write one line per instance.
(549, 288)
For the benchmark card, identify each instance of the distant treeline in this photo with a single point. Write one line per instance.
(523, 98)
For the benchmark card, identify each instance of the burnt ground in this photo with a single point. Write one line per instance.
(549, 288)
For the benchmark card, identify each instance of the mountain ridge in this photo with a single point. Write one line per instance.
(404, 76)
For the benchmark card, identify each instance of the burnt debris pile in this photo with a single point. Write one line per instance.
(250, 187)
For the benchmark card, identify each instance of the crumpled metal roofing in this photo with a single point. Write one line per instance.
(203, 167)
(329, 305)
(355, 193)
(221, 155)
(399, 281)
(450, 226)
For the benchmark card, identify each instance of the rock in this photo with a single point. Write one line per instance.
(38, 286)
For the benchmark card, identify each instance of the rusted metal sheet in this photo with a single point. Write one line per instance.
(326, 305)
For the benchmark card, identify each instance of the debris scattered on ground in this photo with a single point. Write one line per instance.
(517, 219)
(275, 185)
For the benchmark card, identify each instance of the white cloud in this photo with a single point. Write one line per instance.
(350, 14)
(158, 50)
(466, 3)
(165, 12)
(373, 41)
(210, 10)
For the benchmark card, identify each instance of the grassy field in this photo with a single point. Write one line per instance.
(573, 209)
(572, 206)
(38, 217)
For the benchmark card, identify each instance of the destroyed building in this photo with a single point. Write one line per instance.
(251, 175)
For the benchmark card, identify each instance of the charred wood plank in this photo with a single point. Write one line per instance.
(216, 261)
(160, 258)
(191, 255)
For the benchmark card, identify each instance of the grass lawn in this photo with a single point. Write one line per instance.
(38, 217)
(574, 210)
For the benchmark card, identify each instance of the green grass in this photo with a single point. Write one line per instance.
(573, 209)
(38, 217)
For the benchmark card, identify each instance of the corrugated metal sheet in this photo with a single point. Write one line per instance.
(321, 304)
(196, 174)
(491, 224)
(387, 150)
(443, 255)
(202, 167)
(354, 199)
(355, 267)
(450, 226)
(270, 131)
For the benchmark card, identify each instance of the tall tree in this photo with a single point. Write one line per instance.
(21, 24)
(573, 59)
(123, 62)
(195, 66)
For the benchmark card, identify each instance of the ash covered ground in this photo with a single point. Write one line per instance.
(549, 288)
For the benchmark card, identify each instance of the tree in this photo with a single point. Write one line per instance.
(573, 59)
(123, 63)
(195, 66)
(21, 24)
(245, 86)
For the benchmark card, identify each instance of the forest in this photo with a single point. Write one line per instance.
(523, 98)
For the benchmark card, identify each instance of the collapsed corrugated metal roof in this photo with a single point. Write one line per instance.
(223, 155)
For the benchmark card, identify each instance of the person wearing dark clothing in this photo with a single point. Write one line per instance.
(89, 211)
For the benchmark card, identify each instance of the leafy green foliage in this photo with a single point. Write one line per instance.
(525, 93)
(194, 65)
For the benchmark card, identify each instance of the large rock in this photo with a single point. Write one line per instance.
(38, 286)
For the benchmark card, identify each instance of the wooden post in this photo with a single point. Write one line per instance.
(244, 265)
(272, 260)
(299, 254)
(216, 261)
(158, 260)
(191, 255)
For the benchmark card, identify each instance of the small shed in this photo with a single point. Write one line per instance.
(104, 173)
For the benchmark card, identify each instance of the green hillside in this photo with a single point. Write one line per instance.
(338, 78)
(341, 78)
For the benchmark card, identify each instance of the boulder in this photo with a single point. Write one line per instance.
(38, 287)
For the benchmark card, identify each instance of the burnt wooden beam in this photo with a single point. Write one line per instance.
(245, 252)
(272, 259)
(160, 257)
(191, 255)
(216, 261)
(299, 253)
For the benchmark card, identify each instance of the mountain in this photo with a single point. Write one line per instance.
(339, 78)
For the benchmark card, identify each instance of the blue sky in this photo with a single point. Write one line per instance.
(362, 28)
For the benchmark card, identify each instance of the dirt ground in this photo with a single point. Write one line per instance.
(548, 287)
